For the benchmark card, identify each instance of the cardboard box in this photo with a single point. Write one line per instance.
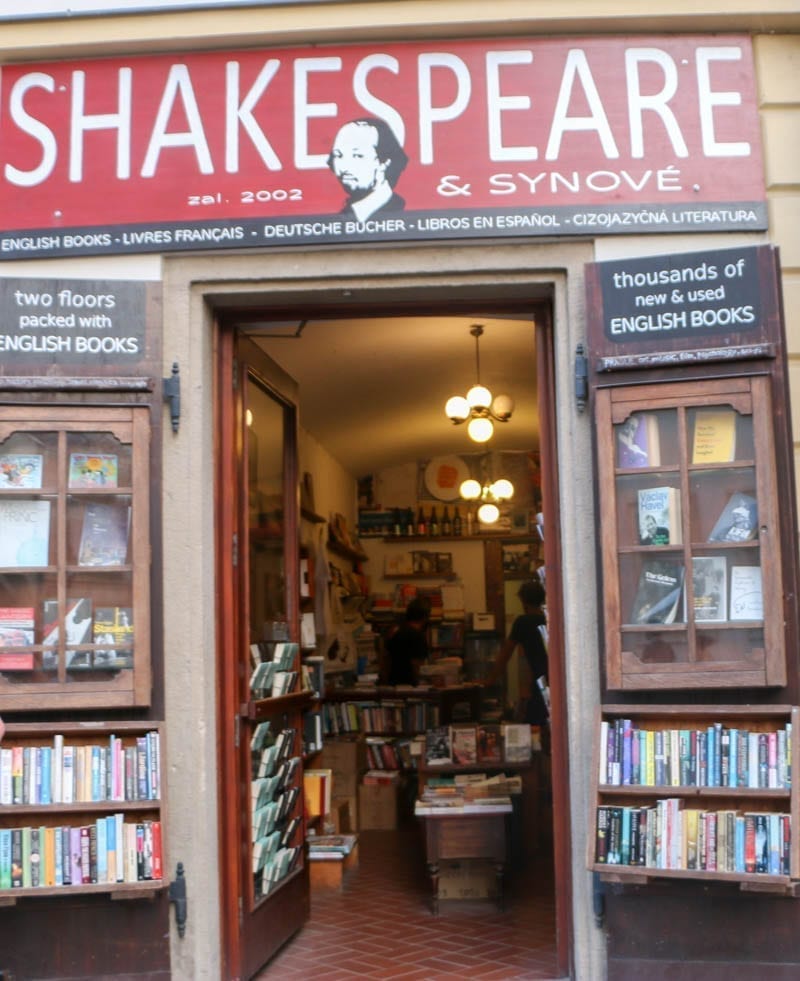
(347, 758)
(483, 621)
(467, 879)
(377, 807)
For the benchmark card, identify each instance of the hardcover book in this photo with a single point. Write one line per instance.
(738, 521)
(710, 583)
(92, 470)
(747, 600)
(659, 592)
(113, 631)
(104, 539)
(638, 441)
(24, 533)
(21, 470)
(659, 513)
(714, 436)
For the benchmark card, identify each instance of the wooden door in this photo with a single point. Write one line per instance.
(258, 586)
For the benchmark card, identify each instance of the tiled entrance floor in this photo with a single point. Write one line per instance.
(381, 926)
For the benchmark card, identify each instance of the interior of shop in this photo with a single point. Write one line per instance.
(382, 463)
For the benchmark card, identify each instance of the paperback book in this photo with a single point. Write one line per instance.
(659, 592)
(464, 745)
(21, 470)
(710, 586)
(489, 743)
(77, 622)
(113, 630)
(437, 746)
(24, 533)
(104, 538)
(738, 521)
(16, 631)
(638, 441)
(747, 600)
(714, 436)
(659, 513)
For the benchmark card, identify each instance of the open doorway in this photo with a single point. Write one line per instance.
(354, 373)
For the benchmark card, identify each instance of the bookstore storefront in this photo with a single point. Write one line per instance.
(165, 203)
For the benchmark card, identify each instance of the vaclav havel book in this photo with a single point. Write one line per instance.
(710, 586)
(24, 533)
(21, 470)
(714, 436)
(738, 521)
(659, 592)
(104, 538)
(638, 441)
(659, 513)
(113, 634)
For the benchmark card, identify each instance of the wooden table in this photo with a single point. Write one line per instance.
(455, 834)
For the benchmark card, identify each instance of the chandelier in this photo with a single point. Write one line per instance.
(479, 408)
(490, 493)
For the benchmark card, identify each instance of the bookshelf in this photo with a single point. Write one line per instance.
(116, 782)
(74, 594)
(686, 776)
(393, 711)
(698, 606)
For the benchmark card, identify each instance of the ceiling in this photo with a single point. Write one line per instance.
(373, 390)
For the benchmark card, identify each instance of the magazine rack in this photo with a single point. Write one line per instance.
(692, 535)
(74, 557)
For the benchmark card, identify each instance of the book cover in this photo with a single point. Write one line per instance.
(638, 442)
(104, 537)
(516, 742)
(5, 858)
(437, 746)
(24, 533)
(659, 592)
(659, 514)
(464, 745)
(714, 436)
(77, 625)
(113, 632)
(747, 600)
(21, 470)
(710, 585)
(738, 521)
(92, 470)
(16, 630)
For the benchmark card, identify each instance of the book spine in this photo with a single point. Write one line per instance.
(85, 853)
(68, 775)
(6, 792)
(5, 858)
(58, 856)
(26, 857)
(48, 836)
(141, 768)
(158, 851)
(111, 848)
(101, 839)
(35, 857)
(16, 858)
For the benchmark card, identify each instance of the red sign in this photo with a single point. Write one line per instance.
(443, 139)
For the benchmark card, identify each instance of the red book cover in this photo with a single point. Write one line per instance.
(749, 842)
(158, 854)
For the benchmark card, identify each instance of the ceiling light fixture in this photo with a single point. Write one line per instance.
(479, 408)
(490, 494)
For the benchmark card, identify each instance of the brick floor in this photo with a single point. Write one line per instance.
(380, 925)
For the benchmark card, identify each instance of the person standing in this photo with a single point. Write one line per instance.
(528, 633)
(407, 647)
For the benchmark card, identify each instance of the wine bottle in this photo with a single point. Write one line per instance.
(447, 525)
(456, 522)
(422, 525)
(410, 527)
(434, 524)
(397, 528)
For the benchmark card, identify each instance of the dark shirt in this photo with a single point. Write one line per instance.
(395, 203)
(404, 647)
(525, 632)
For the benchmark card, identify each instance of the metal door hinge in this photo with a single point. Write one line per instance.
(177, 898)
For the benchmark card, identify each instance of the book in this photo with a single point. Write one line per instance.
(747, 600)
(738, 521)
(658, 593)
(464, 745)
(437, 746)
(516, 742)
(714, 436)
(92, 470)
(113, 631)
(104, 537)
(659, 515)
(638, 442)
(710, 586)
(21, 470)
(77, 625)
(16, 627)
(24, 533)
(489, 743)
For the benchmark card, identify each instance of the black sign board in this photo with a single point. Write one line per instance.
(71, 322)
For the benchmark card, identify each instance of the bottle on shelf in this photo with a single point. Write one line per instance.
(456, 522)
(422, 524)
(397, 527)
(409, 519)
(433, 528)
(447, 525)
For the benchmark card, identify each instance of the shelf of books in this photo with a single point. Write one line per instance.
(74, 558)
(691, 510)
(697, 792)
(81, 810)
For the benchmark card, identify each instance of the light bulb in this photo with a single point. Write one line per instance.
(457, 408)
(488, 514)
(503, 406)
(470, 489)
(248, 417)
(480, 429)
(479, 397)
(502, 489)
